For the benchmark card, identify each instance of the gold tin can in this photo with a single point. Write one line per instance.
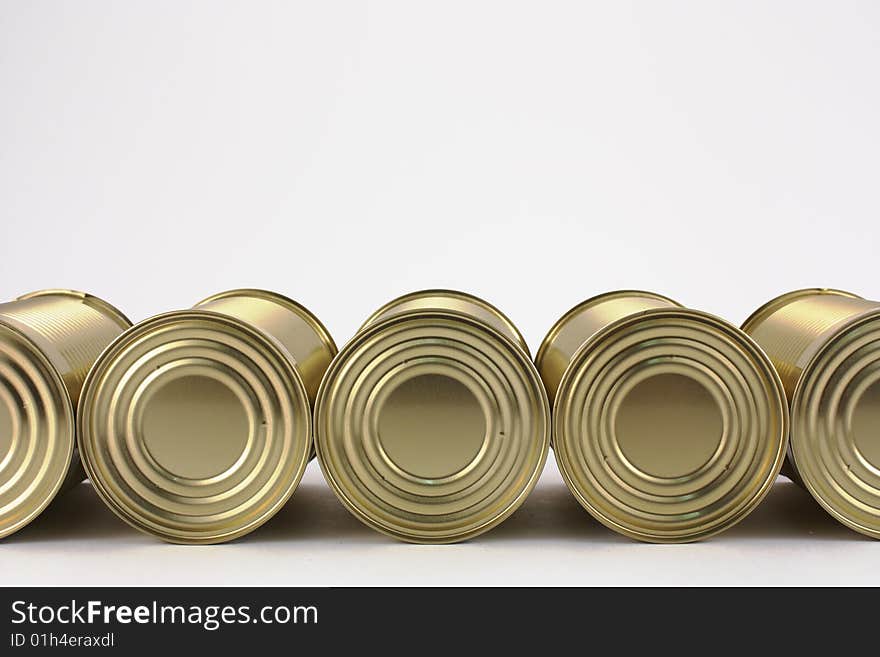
(825, 345)
(48, 341)
(669, 424)
(195, 425)
(432, 425)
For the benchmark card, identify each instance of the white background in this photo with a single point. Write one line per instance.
(534, 153)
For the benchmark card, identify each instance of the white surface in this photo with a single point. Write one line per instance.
(533, 153)
(549, 541)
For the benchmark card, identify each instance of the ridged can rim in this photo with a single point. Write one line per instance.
(52, 383)
(782, 300)
(105, 483)
(45, 356)
(540, 411)
(777, 412)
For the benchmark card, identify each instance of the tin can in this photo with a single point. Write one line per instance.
(669, 424)
(825, 345)
(48, 341)
(195, 425)
(432, 425)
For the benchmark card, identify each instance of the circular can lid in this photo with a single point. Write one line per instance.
(835, 415)
(36, 429)
(432, 427)
(195, 427)
(670, 425)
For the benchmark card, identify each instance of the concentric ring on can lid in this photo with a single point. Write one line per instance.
(431, 426)
(195, 427)
(670, 425)
(36, 429)
(287, 333)
(835, 414)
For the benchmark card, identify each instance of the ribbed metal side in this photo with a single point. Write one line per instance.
(50, 339)
(77, 330)
(791, 332)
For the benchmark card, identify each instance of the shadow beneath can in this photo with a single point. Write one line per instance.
(314, 514)
(787, 513)
(551, 513)
(75, 514)
(790, 512)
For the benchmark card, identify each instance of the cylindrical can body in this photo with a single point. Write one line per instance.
(432, 425)
(195, 425)
(452, 301)
(825, 344)
(292, 325)
(48, 342)
(582, 322)
(669, 424)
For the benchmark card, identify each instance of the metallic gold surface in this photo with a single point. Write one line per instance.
(452, 301)
(48, 341)
(669, 424)
(195, 425)
(432, 424)
(294, 326)
(826, 346)
(574, 327)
